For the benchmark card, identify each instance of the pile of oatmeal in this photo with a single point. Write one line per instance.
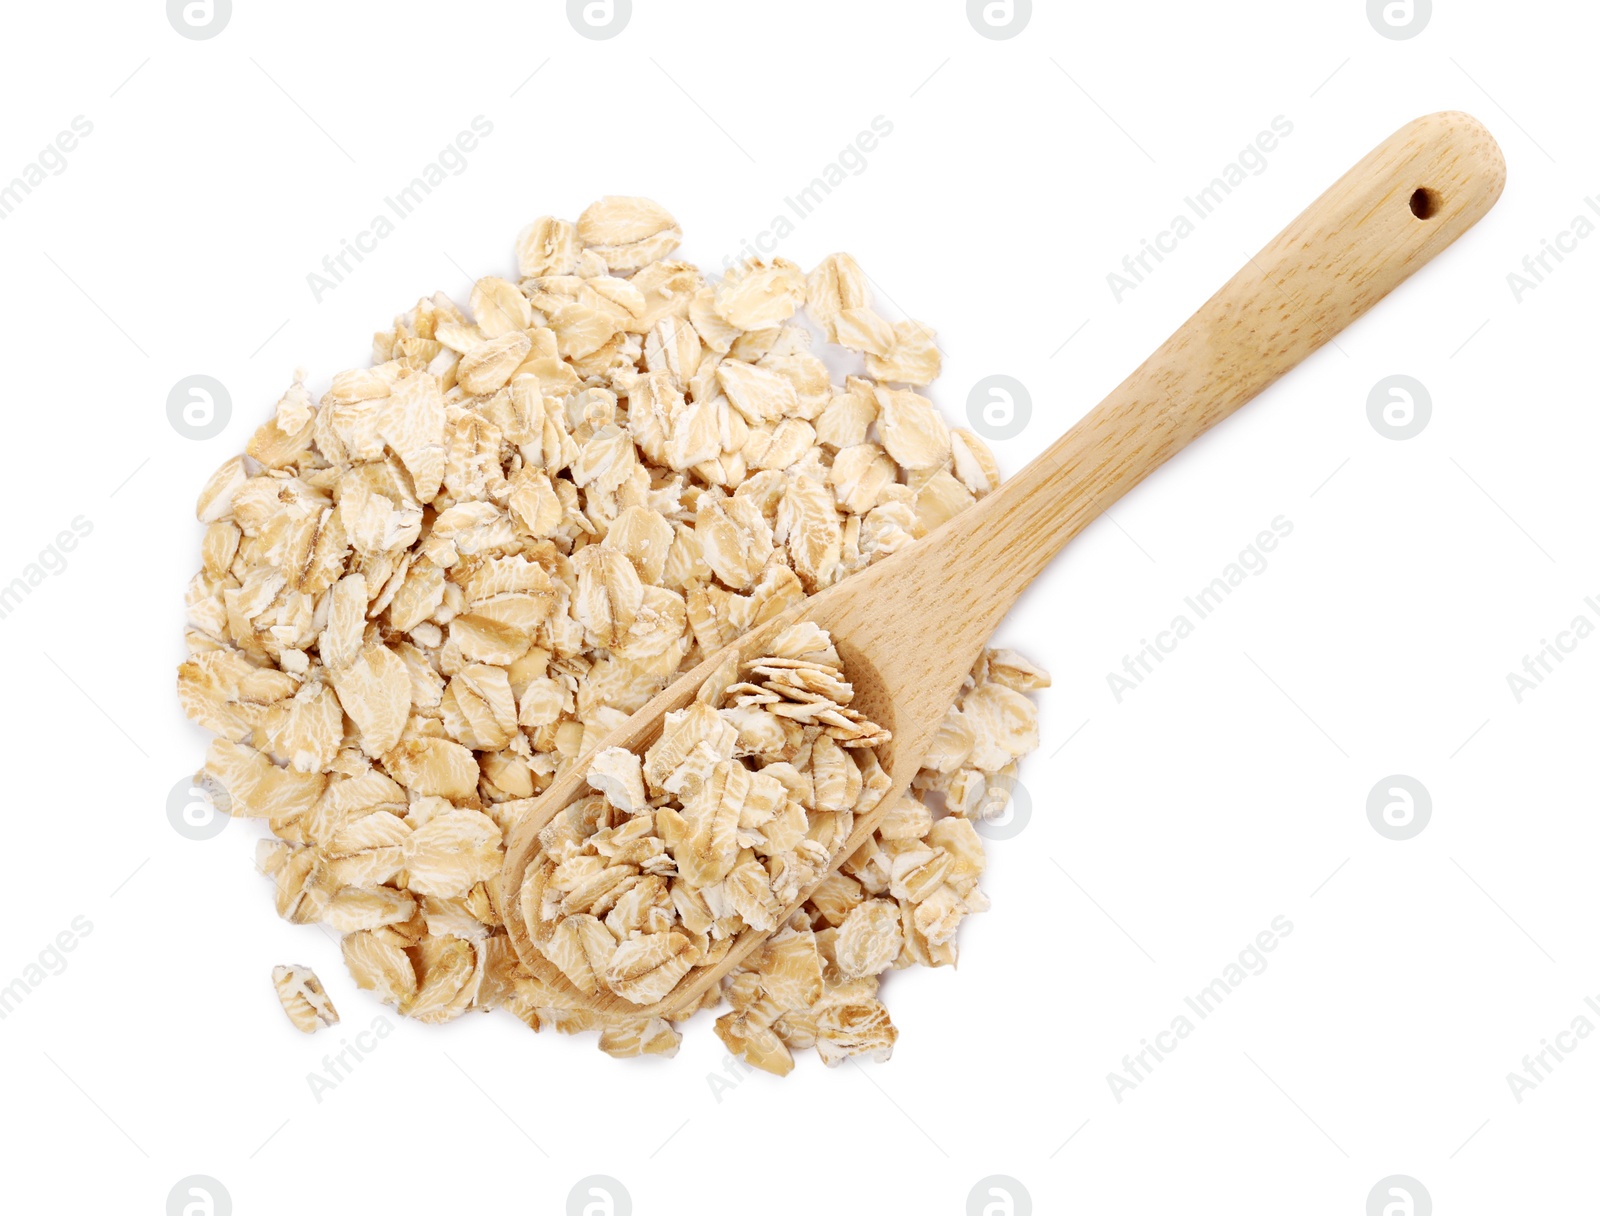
(421, 593)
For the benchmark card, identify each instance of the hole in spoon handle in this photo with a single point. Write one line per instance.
(1425, 202)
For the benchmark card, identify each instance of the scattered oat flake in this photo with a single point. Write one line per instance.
(301, 995)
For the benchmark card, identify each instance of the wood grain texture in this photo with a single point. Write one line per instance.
(910, 627)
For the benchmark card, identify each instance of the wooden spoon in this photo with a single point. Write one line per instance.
(910, 627)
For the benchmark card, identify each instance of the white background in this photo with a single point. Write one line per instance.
(1167, 830)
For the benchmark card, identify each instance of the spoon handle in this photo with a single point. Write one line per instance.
(1385, 219)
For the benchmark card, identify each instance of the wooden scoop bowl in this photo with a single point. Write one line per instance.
(910, 627)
